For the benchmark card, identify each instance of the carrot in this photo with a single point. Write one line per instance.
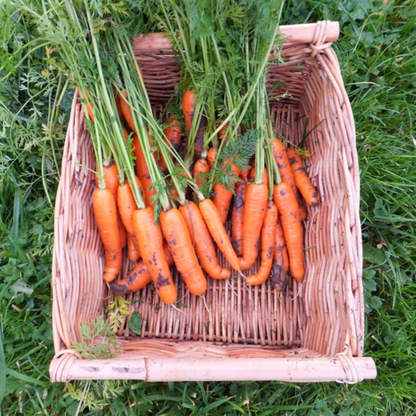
(222, 197)
(265, 176)
(221, 133)
(292, 227)
(88, 105)
(138, 277)
(132, 250)
(212, 157)
(177, 236)
(110, 178)
(173, 134)
(118, 104)
(201, 166)
(201, 237)
(268, 236)
(188, 107)
(126, 110)
(302, 180)
(149, 236)
(238, 217)
(254, 211)
(126, 206)
(280, 266)
(105, 212)
(112, 183)
(216, 228)
(286, 173)
(244, 174)
(142, 171)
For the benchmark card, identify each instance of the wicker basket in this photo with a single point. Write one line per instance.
(312, 331)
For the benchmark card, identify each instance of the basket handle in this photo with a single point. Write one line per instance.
(329, 32)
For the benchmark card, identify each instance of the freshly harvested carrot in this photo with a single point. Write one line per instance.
(124, 107)
(222, 197)
(302, 180)
(286, 173)
(142, 171)
(216, 228)
(132, 251)
(173, 134)
(265, 176)
(126, 207)
(221, 133)
(201, 166)
(201, 237)
(112, 183)
(126, 110)
(254, 212)
(212, 157)
(289, 216)
(88, 105)
(177, 236)
(280, 266)
(238, 217)
(188, 107)
(118, 104)
(149, 236)
(244, 174)
(268, 236)
(110, 178)
(105, 212)
(138, 277)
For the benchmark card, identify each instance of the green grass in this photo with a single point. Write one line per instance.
(376, 53)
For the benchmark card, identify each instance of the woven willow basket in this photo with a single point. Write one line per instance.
(312, 331)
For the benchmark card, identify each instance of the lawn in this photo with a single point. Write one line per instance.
(376, 50)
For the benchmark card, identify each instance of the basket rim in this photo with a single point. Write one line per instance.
(298, 34)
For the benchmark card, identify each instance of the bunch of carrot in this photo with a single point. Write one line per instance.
(171, 208)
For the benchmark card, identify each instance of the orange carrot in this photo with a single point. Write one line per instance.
(280, 266)
(126, 110)
(201, 237)
(244, 174)
(105, 212)
(132, 250)
(268, 236)
(201, 166)
(254, 211)
(222, 197)
(216, 228)
(292, 227)
(286, 173)
(126, 206)
(138, 277)
(149, 236)
(212, 157)
(302, 180)
(118, 104)
(177, 236)
(142, 171)
(173, 134)
(88, 105)
(112, 183)
(188, 107)
(265, 176)
(238, 217)
(221, 133)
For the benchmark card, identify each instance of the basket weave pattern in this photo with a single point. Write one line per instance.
(317, 320)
